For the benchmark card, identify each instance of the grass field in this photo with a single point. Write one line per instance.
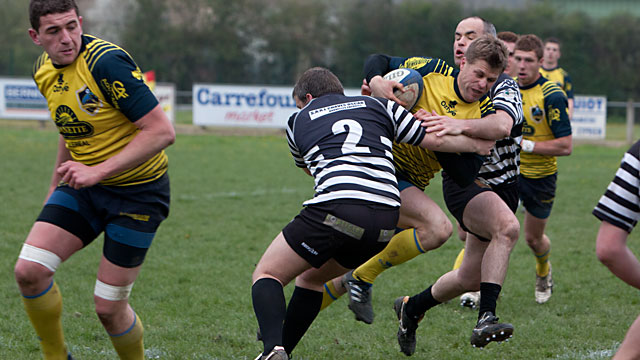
(232, 194)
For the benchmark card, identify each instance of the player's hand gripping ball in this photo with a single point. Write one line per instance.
(412, 82)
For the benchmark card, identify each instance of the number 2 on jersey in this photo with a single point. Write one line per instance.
(354, 133)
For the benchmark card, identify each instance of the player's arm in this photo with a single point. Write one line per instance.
(453, 143)
(156, 133)
(492, 127)
(613, 252)
(560, 125)
(570, 102)
(556, 147)
(62, 156)
(375, 67)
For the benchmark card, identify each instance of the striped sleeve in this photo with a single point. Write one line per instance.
(619, 205)
(293, 148)
(507, 98)
(408, 128)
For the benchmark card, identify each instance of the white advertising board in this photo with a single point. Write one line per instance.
(244, 105)
(166, 94)
(21, 99)
(589, 119)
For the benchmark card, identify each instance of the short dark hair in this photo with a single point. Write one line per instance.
(530, 42)
(554, 40)
(508, 36)
(39, 8)
(317, 81)
(489, 49)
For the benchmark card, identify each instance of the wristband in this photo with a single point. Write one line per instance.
(527, 145)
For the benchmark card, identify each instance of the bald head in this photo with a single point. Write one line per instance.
(469, 29)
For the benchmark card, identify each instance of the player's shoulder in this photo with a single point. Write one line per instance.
(550, 87)
(40, 61)
(564, 72)
(427, 65)
(100, 53)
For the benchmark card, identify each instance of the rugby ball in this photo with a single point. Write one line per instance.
(412, 82)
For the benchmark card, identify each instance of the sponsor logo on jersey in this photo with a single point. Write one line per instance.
(115, 90)
(88, 101)
(137, 73)
(416, 62)
(69, 125)
(449, 107)
(60, 86)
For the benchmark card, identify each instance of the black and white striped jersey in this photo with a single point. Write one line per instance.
(620, 204)
(503, 165)
(346, 143)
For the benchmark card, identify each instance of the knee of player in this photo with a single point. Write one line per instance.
(28, 273)
(510, 230)
(110, 300)
(35, 264)
(434, 235)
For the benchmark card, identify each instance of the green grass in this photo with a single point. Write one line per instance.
(232, 195)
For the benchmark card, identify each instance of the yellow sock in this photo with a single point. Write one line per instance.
(45, 312)
(129, 345)
(458, 262)
(329, 295)
(542, 263)
(402, 247)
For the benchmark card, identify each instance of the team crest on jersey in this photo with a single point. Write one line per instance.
(88, 101)
(537, 114)
(61, 85)
(69, 125)
(449, 107)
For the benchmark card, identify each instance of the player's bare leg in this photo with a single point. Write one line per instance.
(541, 247)
(45, 248)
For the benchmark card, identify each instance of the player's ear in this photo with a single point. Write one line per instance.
(308, 98)
(33, 34)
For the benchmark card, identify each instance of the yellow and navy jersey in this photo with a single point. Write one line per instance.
(546, 116)
(442, 95)
(560, 77)
(95, 101)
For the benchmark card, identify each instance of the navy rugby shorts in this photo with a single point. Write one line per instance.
(128, 215)
(456, 197)
(537, 195)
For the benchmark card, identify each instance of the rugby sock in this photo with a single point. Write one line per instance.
(303, 308)
(270, 308)
(542, 263)
(402, 247)
(458, 262)
(488, 296)
(45, 312)
(419, 304)
(129, 344)
(329, 295)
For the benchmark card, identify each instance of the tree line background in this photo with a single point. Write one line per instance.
(273, 41)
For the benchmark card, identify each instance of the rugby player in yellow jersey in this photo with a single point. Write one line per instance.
(109, 176)
(546, 134)
(552, 71)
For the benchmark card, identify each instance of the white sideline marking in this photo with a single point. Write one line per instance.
(590, 354)
(237, 194)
